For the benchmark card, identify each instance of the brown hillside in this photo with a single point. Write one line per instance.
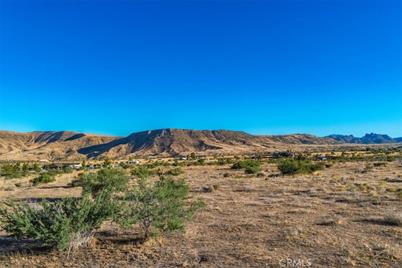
(49, 145)
(66, 145)
(181, 141)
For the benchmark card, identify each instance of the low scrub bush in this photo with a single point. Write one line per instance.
(250, 166)
(67, 169)
(12, 171)
(200, 162)
(293, 166)
(44, 178)
(175, 171)
(158, 207)
(70, 223)
(224, 161)
(65, 224)
(112, 179)
(142, 171)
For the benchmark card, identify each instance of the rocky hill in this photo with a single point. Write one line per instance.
(182, 141)
(67, 145)
(49, 145)
(371, 138)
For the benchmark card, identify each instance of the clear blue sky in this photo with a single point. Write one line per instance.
(273, 66)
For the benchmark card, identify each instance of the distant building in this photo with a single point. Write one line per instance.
(283, 154)
(76, 166)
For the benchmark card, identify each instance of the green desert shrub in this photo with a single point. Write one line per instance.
(94, 183)
(174, 171)
(142, 171)
(67, 169)
(200, 162)
(250, 166)
(66, 224)
(107, 163)
(12, 171)
(224, 161)
(158, 207)
(36, 167)
(124, 165)
(293, 166)
(44, 178)
(252, 169)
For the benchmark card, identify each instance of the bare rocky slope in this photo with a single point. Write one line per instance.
(173, 142)
(66, 145)
(371, 138)
(47, 145)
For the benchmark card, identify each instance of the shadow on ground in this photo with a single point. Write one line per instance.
(13, 246)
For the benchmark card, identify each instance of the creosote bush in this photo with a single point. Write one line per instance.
(250, 166)
(158, 207)
(11, 171)
(112, 179)
(70, 223)
(293, 166)
(64, 224)
(44, 178)
(142, 171)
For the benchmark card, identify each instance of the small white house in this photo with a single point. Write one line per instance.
(76, 166)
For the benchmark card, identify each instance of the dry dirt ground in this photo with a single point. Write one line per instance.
(343, 216)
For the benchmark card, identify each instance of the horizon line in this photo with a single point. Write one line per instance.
(95, 133)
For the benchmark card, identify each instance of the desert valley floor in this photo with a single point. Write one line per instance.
(346, 215)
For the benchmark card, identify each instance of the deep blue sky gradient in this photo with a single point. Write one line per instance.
(266, 67)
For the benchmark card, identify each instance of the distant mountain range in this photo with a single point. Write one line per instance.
(371, 138)
(67, 145)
